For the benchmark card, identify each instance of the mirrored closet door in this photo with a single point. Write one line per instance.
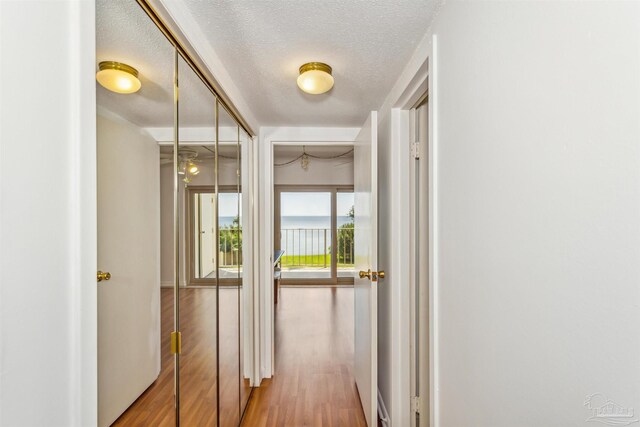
(230, 259)
(175, 329)
(135, 216)
(198, 359)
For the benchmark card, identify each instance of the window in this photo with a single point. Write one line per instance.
(314, 228)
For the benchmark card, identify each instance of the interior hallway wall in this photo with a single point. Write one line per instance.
(48, 317)
(536, 113)
(536, 109)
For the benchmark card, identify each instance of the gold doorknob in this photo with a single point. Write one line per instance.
(372, 275)
(364, 274)
(103, 276)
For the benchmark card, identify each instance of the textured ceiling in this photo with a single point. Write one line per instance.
(124, 33)
(262, 44)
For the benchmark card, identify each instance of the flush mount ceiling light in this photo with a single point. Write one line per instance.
(118, 77)
(187, 166)
(315, 78)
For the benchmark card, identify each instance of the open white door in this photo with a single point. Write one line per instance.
(366, 261)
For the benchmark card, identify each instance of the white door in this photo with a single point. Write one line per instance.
(366, 260)
(128, 248)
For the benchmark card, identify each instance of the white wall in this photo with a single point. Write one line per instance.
(129, 248)
(319, 172)
(538, 207)
(535, 109)
(47, 214)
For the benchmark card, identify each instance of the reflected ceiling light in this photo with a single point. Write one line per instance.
(315, 78)
(193, 168)
(118, 77)
(187, 164)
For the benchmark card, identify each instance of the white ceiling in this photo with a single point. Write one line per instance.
(262, 44)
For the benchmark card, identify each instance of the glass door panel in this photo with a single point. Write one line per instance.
(306, 234)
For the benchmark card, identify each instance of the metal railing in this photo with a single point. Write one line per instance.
(311, 247)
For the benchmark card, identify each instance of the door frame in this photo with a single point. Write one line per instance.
(269, 138)
(418, 77)
(419, 271)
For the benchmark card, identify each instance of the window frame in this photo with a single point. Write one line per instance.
(334, 280)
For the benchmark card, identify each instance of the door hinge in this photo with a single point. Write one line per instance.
(176, 342)
(415, 404)
(415, 150)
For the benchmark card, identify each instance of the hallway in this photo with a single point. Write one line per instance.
(314, 383)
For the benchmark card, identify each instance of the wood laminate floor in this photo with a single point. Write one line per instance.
(314, 382)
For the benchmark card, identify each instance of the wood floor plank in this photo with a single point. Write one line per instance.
(314, 383)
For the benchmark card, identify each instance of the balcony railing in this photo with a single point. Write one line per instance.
(311, 247)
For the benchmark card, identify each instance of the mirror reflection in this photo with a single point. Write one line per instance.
(230, 250)
(198, 359)
(135, 315)
(174, 321)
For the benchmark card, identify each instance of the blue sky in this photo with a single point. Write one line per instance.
(294, 204)
(228, 204)
(313, 204)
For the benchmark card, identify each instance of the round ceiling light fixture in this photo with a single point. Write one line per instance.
(118, 77)
(315, 78)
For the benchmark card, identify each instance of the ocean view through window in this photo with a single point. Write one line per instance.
(308, 231)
